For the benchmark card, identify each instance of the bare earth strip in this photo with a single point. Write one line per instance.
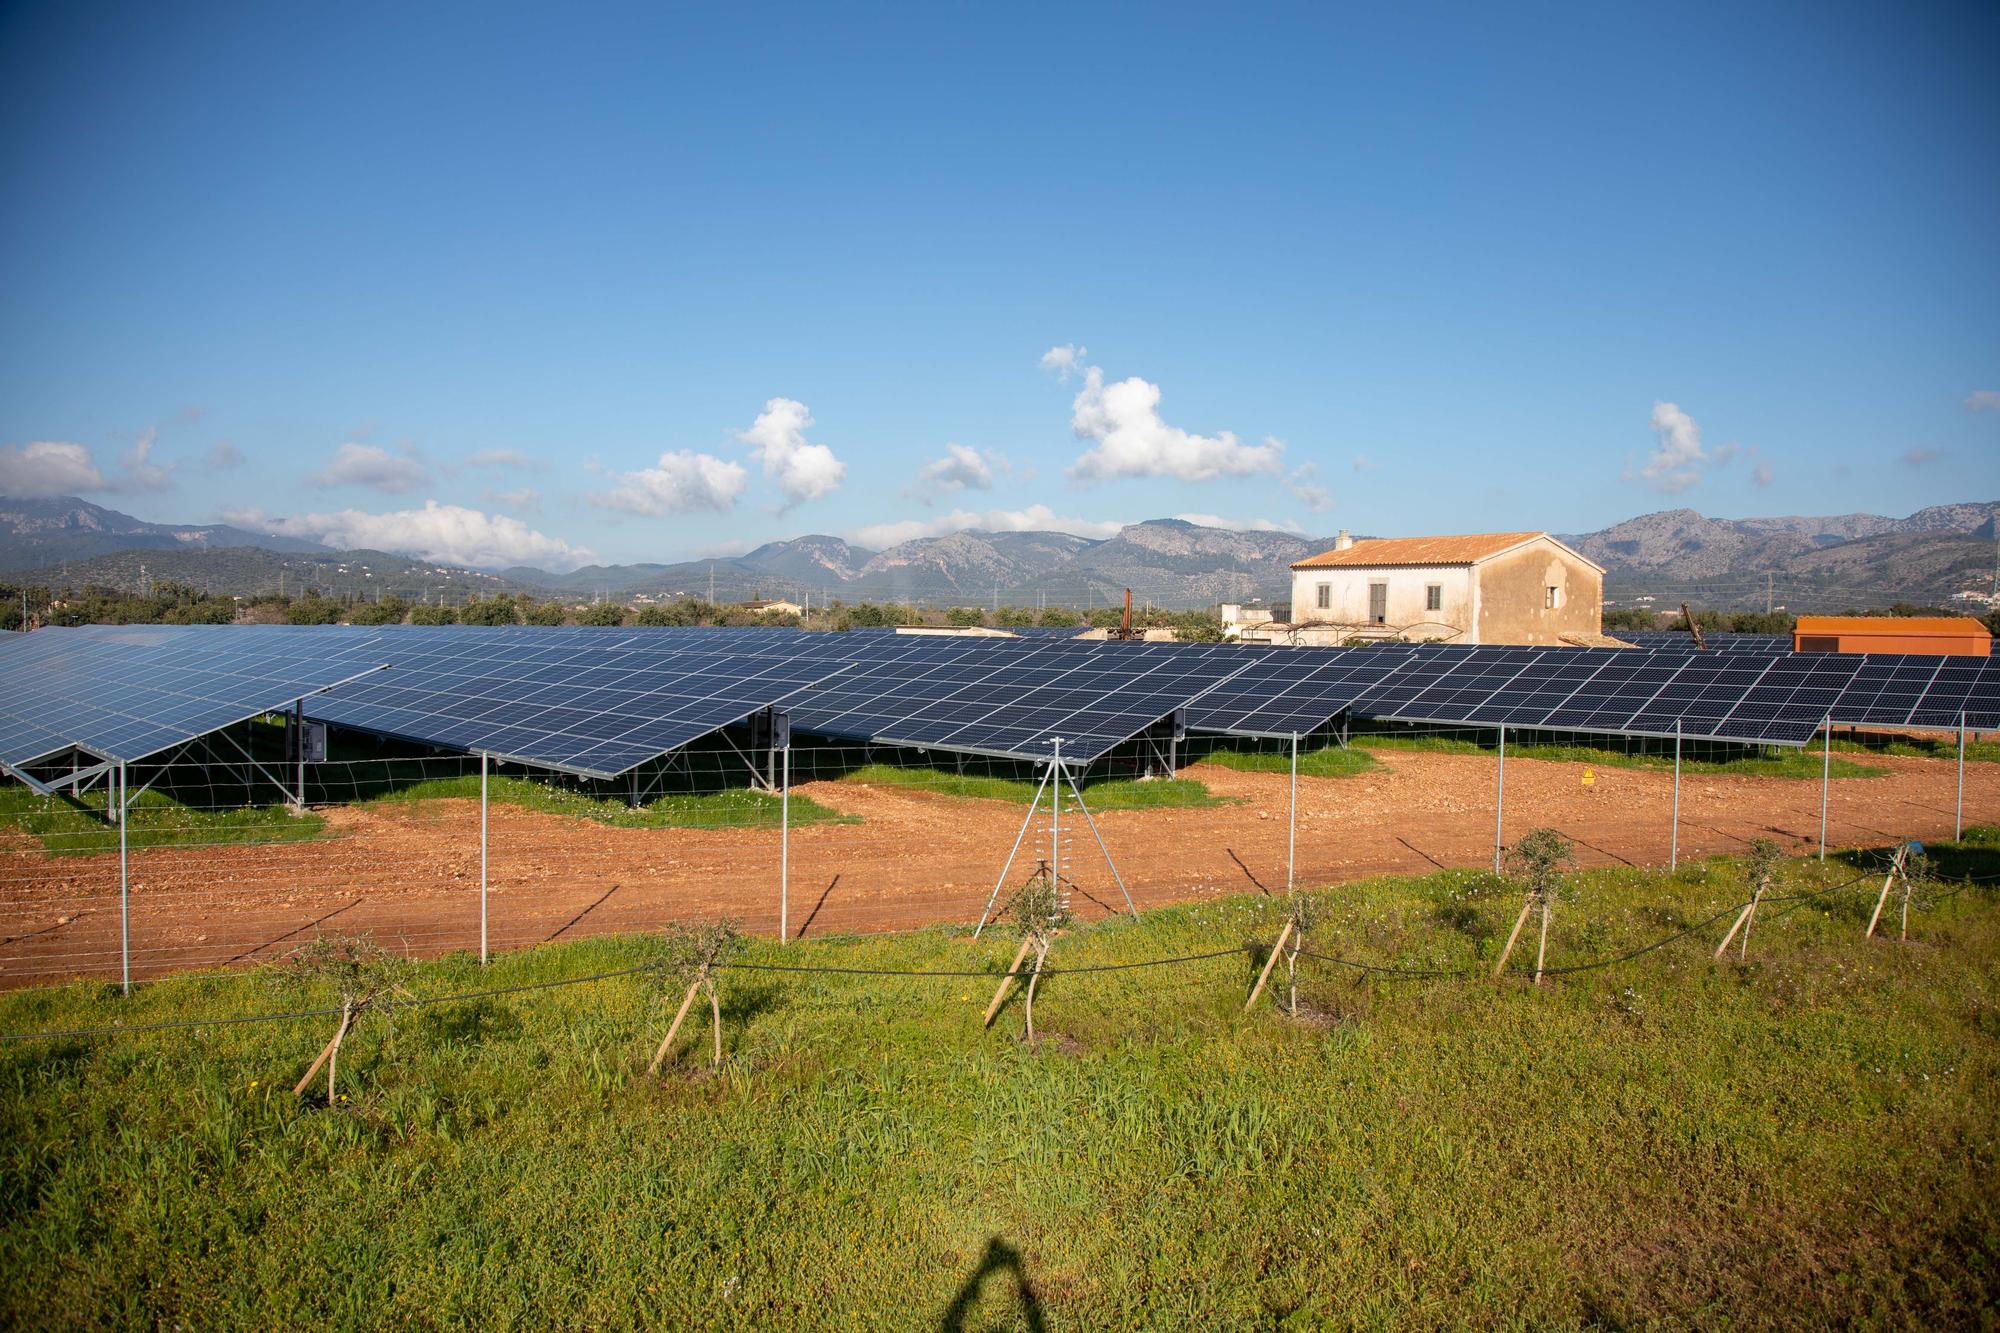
(411, 874)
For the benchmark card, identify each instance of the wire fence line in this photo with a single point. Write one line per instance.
(1017, 973)
(224, 865)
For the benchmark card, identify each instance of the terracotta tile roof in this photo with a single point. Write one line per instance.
(1418, 550)
(1956, 627)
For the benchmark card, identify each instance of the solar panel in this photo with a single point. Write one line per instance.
(595, 705)
(126, 693)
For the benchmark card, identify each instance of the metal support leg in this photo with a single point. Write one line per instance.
(299, 744)
(124, 891)
(1825, 781)
(1292, 833)
(482, 859)
(1055, 822)
(1674, 847)
(785, 845)
(1499, 800)
(1958, 812)
(1116, 878)
(1018, 837)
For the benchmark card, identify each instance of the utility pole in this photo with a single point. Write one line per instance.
(711, 583)
(1767, 592)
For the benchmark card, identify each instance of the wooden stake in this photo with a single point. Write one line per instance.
(1007, 980)
(715, 1018)
(1742, 920)
(1541, 952)
(1527, 905)
(687, 1002)
(1269, 963)
(1034, 979)
(1292, 970)
(1895, 868)
(326, 1054)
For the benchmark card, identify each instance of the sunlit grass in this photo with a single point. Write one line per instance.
(1785, 764)
(77, 826)
(1106, 794)
(1624, 1147)
(730, 808)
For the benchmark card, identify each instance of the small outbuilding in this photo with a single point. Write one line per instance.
(1941, 636)
(1495, 587)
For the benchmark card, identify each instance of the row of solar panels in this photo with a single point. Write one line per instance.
(600, 701)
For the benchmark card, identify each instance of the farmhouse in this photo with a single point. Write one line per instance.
(1498, 587)
(772, 607)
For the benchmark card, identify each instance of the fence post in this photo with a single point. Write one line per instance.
(482, 859)
(1958, 811)
(785, 846)
(299, 744)
(1674, 846)
(124, 889)
(1055, 823)
(1825, 781)
(1292, 837)
(1500, 799)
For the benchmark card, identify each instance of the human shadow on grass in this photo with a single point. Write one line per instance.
(1003, 1262)
(469, 1023)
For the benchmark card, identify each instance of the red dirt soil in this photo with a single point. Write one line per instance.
(410, 874)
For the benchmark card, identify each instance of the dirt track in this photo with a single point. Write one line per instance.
(917, 858)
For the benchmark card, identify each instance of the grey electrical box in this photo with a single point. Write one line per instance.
(781, 730)
(315, 742)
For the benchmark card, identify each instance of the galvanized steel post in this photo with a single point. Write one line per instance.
(785, 846)
(1500, 799)
(482, 858)
(1825, 780)
(1674, 846)
(124, 887)
(1292, 837)
(1055, 824)
(1958, 812)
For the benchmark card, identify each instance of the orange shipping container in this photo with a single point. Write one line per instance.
(1946, 636)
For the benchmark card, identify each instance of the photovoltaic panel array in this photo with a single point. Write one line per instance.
(565, 702)
(1717, 643)
(1295, 692)
(129, 695)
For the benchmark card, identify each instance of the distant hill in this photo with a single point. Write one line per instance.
(35, 534)
(1802, 563)
(1851, 560)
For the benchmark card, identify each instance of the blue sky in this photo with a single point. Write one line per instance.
(497, 283)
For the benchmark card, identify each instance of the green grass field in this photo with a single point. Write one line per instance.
(158, 820)
(1109, 794)
(1799, 764)
(1325, 762)
(732, 808)
(1803, 1141)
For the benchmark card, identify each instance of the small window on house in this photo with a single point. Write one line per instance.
(1434, 597)
(1323, 599)
(1552, 597)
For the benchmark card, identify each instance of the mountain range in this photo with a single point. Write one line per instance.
(1803, 563)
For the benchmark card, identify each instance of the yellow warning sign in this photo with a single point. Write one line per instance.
(1589, 777)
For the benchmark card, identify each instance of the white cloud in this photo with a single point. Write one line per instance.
(1241, 524)
(139, 471)
(524, 498)
(1065, 360)
(223, 454)
(500, 458)
(680, 483)
(962, 468)
(1035, 518)
(1299, 481)
(1363, 463)
(1983, 400)
(1675, 463)
(803, 471)
(1919, 457)
(47, 467)
(1761, 474)
(447, 534)
(370, 465)
(1133, 441)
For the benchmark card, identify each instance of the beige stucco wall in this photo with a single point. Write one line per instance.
(1499, 601)
(1512, 592)
(1348, 595)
